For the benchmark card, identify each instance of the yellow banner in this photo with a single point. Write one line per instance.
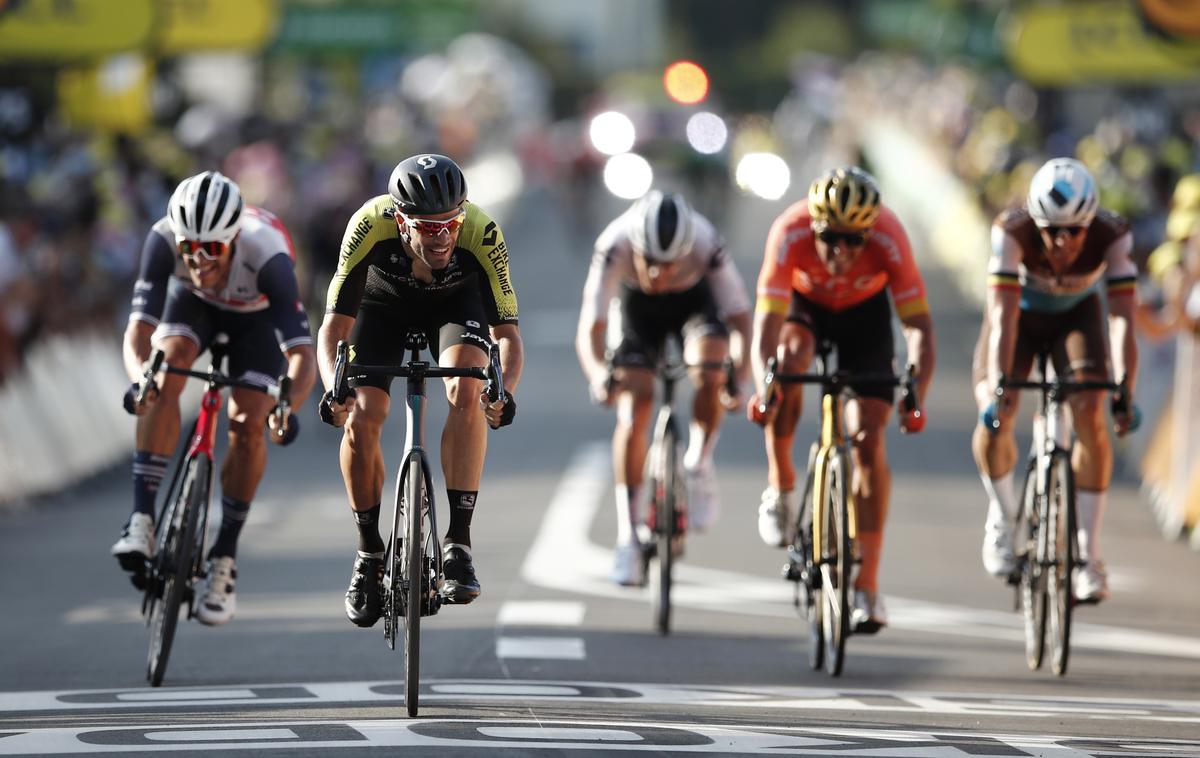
(190, 25)
(1093, 41)
(110, 96)
(57, 29)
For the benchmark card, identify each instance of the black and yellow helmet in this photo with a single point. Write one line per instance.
(844, 198)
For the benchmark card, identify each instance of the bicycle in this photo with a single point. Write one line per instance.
(413, 575)
(169, 577)
(667, 515)
(1047, 558)
(823, 552)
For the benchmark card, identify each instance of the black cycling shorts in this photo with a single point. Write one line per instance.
(861, 334)
(646, 320)
(377, 338)
(253, 352)
(1076, 338)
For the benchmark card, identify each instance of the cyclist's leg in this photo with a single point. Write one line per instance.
(464, 438)
(706, 340)
(797, 346)
(1082, 354)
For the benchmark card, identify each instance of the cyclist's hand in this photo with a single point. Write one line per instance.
(990, 417)
(130, 400)
(733, 401)
(335, 413)
(755, 413)
(1127, 417)
(602, 390)
(499, 413)
(912, 422)
(291, 429)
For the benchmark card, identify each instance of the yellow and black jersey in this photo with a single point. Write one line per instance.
(374, 271)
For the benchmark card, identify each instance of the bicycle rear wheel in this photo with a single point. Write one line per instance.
(414, 579)
(668, 502)
(173, 566)
(1033, 579)
(836, 564)
(1062, 553)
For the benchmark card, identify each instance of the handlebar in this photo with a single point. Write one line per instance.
(343, 369)
(840, 380)
(148, 382)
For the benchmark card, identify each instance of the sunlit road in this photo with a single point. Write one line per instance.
(553, 658)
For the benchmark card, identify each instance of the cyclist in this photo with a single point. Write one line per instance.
(673, 276)
(1047, 261)
(213, 265)
(829, 264)
(420, 256)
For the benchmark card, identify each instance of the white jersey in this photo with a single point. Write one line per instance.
(612, 268)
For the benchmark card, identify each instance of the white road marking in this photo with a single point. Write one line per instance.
(801, 699)
(523, 736)
(541, 613)
(541, 648)
(562, 558)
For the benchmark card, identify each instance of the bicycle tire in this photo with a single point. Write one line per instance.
(837, 562)
(808, 585)
(1063, 559)
(175, 566)
(667, 503)
(415, 495)
(393, 593)
(1032, 584)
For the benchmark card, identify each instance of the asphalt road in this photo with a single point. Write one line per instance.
(552, 659)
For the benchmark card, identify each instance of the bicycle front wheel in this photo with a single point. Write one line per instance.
(668, 502)
(836, 563)
(173, 565)
(807, 567)
(1033, 580)
(1062, 544)
(413, 577)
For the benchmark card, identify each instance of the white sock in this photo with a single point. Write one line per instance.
(700, 447)
(1002, 501)
(627, 508)
(1089, 506)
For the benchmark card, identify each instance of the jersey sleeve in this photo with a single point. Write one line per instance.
(727, 286)
(277, 280)
(775, 276)
(364, 231)
(904, 278)
(1005, 262)
(1120, 270)
(602, 280)
(154, 275)
(483, 237)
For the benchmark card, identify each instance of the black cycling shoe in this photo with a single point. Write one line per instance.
(460, 586)
(364, 598)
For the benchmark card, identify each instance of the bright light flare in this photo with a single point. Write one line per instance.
(764, 174)
(628, 176)
(707, 133)
(612, 133)
(685, 82)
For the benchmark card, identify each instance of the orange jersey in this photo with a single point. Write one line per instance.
(791, 263)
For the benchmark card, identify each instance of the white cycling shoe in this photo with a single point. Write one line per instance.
(136, 544)
(217, 603)
(869, 614)
(775, 514)
(629, 565)
(998, 557)
(703, 503)
(1091, 583)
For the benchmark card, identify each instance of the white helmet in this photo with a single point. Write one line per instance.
(1062, 193)
(206, 207)
(661, 227)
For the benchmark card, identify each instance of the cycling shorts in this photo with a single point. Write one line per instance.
(647, 320)
(253, 352)
(861, 334)
(377, 338)
(1075, 338)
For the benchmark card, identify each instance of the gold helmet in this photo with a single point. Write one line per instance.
(844, 198)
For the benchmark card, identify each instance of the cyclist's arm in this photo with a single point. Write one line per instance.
(912, 306)
(598, 291)
(922, 350)
(277, 280)
(512, 354)
(767, 326)
(149, 299)
(334, 328)
(774, 296)
(730, 292)
(1003, 305)
(1122, 303)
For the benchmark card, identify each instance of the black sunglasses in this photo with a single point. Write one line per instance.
(849, 239)
(1054, 231)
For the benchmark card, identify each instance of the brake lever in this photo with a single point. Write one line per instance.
(148, 382)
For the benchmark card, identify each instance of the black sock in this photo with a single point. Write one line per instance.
(462, 507)
(369, 540)
(148, 472)
(233, 516)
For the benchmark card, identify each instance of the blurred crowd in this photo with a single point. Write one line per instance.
(76, 204)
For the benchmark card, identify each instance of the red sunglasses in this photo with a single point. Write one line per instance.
(433, 227)
(193, 252)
